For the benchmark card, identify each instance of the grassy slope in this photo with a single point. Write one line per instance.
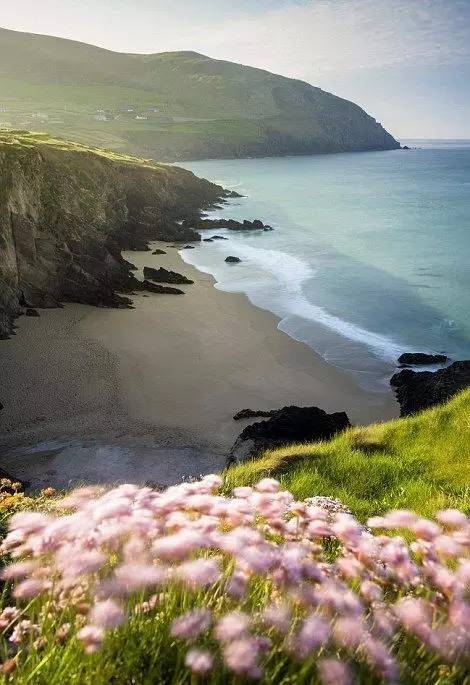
(421, 462)
(206, 107)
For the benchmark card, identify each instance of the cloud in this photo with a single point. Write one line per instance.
(342, 35)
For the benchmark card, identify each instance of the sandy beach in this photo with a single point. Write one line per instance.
(148, 395)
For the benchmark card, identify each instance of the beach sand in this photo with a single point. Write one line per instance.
(148, 395)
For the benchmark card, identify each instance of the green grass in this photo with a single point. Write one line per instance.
(421, 462)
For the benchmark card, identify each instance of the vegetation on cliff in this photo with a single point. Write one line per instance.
(419, 462)
(173, 106)
(67, 210)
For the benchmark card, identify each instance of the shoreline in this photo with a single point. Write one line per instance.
(149, 394)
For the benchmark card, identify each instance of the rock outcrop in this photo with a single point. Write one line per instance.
(230, 224)
(66, 212)
(161, 289)
(421, 359)
(418, 390)
(286, 426)
(253, 414)
(162, 275)
(232, 260)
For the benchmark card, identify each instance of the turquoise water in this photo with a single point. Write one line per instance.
(370, 256)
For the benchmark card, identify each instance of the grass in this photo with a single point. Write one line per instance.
(421, 462)
(19, 139)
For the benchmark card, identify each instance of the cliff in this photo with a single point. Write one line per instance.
(174, 105)
(66, 211)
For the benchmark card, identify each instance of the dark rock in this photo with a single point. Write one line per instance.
(208, 240)
(253, 414)
(233, 260)
(268, 228)
(188, 247)
(286, 426)
(158, 251)
(31, 312)
(161, 289)
(230, 224)
(405, 147)
(218, 237)
(420, 358)
(164, 276)
(418, 390)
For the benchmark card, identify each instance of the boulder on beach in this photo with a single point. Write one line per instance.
(286, 426)
(188, 247)
(31, 312)
(418, 390)
(208, 240)
(253, 414)
(421, 359)
(158, 251)
(218, 237)
(232, 260)
(161, 289)
(162, 275)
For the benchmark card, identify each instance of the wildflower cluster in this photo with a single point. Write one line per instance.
(265, 575)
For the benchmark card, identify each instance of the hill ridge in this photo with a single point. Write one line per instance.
(172, 105)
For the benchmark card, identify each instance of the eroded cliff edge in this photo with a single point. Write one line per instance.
(67, 211)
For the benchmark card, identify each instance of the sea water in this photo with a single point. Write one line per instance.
(370, 256)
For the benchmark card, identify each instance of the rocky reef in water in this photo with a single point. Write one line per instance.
(419, 390)
(67, 211)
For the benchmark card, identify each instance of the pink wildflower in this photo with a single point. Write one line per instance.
(232, 626)
(107, 614)
(277, 617)
(23, 631)
(314, 633)
(199, 661)
(268, 485)
(92, 638)
(241, 657)
(192, 624)
(200, 572)
(178, 546)
(132, 577)
(18, 570)
(334, 672)
(452, 518)
(8, 615)
(30, 588)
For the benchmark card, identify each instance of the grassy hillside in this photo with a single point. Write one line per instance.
(171, 105)
(421, 462)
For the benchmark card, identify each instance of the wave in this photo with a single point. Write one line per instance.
(285, 296)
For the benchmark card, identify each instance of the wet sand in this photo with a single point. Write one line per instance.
(102, 395)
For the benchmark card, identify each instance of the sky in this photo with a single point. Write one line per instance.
(407, 62)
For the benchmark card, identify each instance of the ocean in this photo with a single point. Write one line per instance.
(370, 256)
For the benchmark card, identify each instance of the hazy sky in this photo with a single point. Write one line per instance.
(407, 62)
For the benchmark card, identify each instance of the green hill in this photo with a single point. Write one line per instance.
(420, 463)
(171, 106)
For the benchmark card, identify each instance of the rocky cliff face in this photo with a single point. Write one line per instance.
(67, 211)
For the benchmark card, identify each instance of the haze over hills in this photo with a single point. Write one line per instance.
(172, 106)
